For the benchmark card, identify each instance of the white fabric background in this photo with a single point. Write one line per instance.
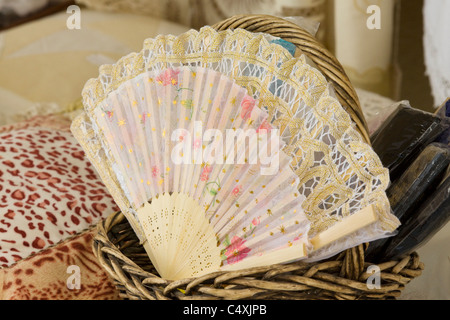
(437, 47)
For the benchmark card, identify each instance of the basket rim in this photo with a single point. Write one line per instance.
(323, 280)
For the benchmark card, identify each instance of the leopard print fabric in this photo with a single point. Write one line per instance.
(46, 275)
(48, 191)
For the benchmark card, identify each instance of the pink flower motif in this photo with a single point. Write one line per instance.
(197, 143)
(205, 173)
(236, 191)
(236, 251)
(168, 77)
(247, 104)
(182, 136)
(265, 127)
(110, 114)
(155, 171)
(256, 221)
(143, 117)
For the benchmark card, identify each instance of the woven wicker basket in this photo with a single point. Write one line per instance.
(343, 277)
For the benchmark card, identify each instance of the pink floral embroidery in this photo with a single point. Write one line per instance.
(256, 221)
(236, 251)
(247, 104)
(155, 171)
(110, 114)
(197, 143)
(265, 127)
(143, 117)
(168, 77)
(205, 173)
(236, 191)
(182, 136)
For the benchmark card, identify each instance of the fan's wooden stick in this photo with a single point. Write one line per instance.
(347, 226)
(290, 253)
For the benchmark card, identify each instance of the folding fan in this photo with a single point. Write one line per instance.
(202, 169)
(329, 184)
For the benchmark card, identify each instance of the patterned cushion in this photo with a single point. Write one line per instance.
(48, 191)
(67, 271)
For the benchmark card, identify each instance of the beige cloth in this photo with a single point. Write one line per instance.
(198, 13)
(44, 65)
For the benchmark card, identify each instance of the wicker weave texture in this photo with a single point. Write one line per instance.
(119, 252)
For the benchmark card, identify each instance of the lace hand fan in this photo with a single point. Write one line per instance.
(201, 169)
(341, 179)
